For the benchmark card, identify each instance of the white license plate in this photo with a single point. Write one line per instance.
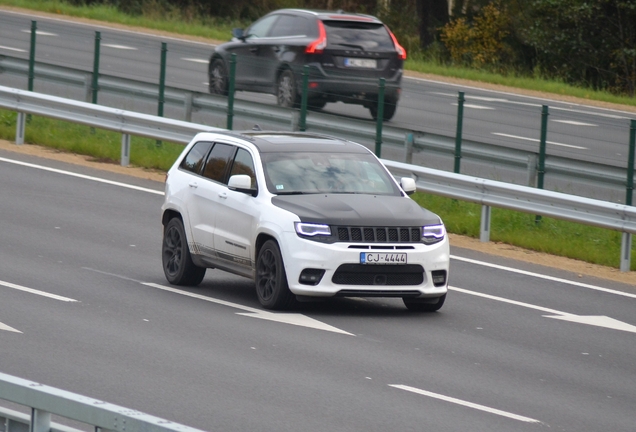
(361, 63)
(382, 258)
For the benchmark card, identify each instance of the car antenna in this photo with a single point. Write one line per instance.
(257, 128)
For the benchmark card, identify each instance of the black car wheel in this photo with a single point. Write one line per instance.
(424, 305)
(271, 280)
(389, 110)
(218, 80)
(175, 255)
(286, 94)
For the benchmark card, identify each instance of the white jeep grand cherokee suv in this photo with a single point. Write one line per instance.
(302, 215)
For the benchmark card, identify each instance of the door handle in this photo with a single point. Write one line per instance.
(193, 185)
(254, 50)
(223, 195)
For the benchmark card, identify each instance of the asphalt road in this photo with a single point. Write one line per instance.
(580, 132)
(84, 307)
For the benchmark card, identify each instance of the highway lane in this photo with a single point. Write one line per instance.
(582, 132)
(491, 360)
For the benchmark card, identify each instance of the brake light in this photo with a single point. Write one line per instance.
(317, 46)
(401, 51)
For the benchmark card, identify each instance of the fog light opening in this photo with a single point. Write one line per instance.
(311, 276)
(439, 277)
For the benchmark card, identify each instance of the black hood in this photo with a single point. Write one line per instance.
(356, 209)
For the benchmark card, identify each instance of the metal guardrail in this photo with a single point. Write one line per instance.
(43, 401)
(488, 193)
(435, 145)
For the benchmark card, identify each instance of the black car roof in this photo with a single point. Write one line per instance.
(276, 141)
(333, 15)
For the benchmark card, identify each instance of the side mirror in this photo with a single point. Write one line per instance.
(238, 33)
(408, 185)
(242, 183)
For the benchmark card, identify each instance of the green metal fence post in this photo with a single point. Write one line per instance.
(230, 92)
(95, 84)
(380, 119)
(630, 163)
(458, 132)
(302, 124)
(542, 151)
(34, 29)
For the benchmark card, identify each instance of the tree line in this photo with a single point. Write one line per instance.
(587, 43)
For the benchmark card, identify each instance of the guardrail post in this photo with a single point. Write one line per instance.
(380, 119)
(20, 128)
(408, 148)
(98, 38)
(303, 101)
(125, 149)
(532, 170)
(230, 92)
(630, 163)
(484, 224)
(187, 105)
(34, 29)
(458, 133)
(40, 421)
(626, 252)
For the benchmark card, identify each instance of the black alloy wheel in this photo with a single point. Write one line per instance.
(389, 110)
(218, 80)
(175, 256)
(286, 94)
(271, 280)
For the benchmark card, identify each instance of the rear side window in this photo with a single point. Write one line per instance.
(216, 165)
(288, 25)
(364, 36)
(195, 158)
(261, 28)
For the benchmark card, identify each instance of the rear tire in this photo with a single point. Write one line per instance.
(425, 304)
(271, 280)
(175, 256)
(286, 92)
(218, 78)
(389, 110)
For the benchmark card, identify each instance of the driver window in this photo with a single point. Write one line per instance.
(243, 165)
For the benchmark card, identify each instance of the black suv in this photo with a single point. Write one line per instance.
(347, 54)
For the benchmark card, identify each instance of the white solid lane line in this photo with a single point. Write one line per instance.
(540, 276)
(40, 33)
(38, 292)
(464, 403)
(121, 47)
(86, 177)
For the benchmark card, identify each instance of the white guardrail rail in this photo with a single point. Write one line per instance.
(43, 401)
(488, 193)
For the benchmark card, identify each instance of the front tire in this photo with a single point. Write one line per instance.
(175, 256)
(271, 280)
(286, 93)
(425, 304)
(218, 78)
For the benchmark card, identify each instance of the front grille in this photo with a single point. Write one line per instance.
(379, 234)
(363, 274)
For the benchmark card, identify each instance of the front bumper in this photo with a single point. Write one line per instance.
(353, 279)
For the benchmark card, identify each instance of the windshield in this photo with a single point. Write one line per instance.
(314, 172)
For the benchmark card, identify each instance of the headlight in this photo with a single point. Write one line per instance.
(433, 233)
(311, 230)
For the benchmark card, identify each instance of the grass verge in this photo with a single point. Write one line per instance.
(555, 237)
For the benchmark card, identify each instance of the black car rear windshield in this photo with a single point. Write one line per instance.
(358, 35)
